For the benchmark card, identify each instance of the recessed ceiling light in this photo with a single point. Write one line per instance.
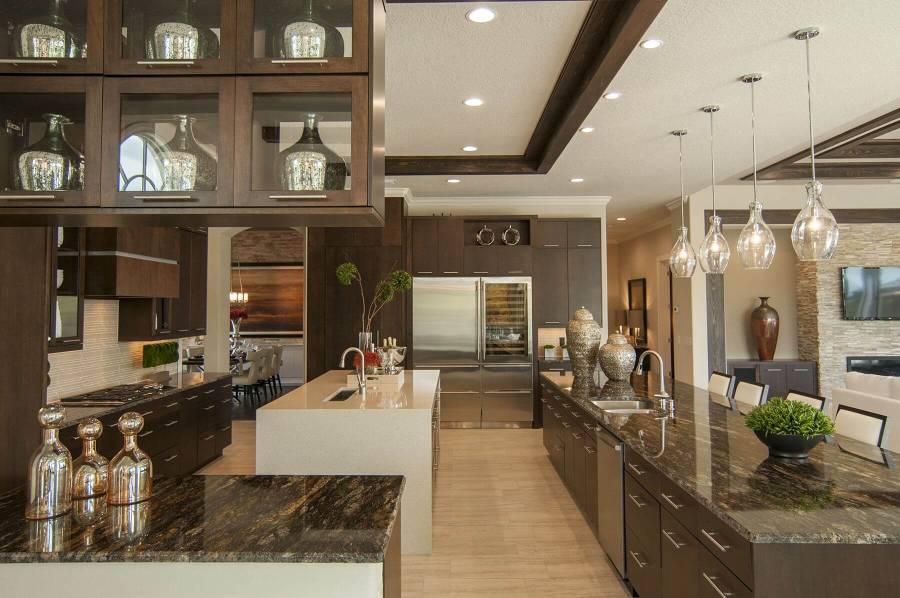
(576, 180)
(612, 95)
(651, 44)
(587, 129)
(621, 218)
(453, 181)
(469, 148)
(473, 102)
(481, 15)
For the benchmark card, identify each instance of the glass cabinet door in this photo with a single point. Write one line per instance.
(174, 147)
(49, 141)
(168, 37)
(67, 289)
(43, 36)
(507, 319)
(308, 36)
(297, 142)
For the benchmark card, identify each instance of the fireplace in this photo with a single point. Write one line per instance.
(882, 366)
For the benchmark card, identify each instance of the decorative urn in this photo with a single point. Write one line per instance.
(583, 340)
(764, 323)
(617, 358)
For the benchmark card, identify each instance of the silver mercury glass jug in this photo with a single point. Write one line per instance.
(50, 472)
(51, 164)
(49, 34)
(91, 469)
(130, 471)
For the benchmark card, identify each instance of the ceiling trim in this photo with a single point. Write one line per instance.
(858, 146)
(610, 31)
(524, 205)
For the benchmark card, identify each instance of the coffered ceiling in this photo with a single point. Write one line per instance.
(436, 59)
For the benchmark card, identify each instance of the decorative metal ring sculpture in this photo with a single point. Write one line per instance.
(485, 236)
(511, 236)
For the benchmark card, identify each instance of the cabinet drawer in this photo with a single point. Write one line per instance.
(206, 446)
(167, 464)
(642, 471)
(642, 566)
(550, 233)
(585, 233)
(679, 503)
(642, 514)
(679, 559)
(726, 545)
(715, 580)
(223, 438)
(223, 410)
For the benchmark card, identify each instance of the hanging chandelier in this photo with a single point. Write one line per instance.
(683, 259)
(756, 243)
(239, 297)
(815, 231)
(714, 251)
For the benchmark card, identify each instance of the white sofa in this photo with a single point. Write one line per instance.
(879, 394)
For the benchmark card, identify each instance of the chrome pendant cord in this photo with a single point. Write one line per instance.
(753, 81)
(812, 144)
(681, 135)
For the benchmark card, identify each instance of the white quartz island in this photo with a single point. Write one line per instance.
(392, 432)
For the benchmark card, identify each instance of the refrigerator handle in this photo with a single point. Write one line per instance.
(478, 322)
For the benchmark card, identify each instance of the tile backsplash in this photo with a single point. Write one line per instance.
(104, 361)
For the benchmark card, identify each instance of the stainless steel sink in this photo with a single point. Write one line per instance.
(342, 395)
(625, 407)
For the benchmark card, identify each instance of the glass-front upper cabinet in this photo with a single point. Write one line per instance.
(167, 37)
(303, 36)
(506, 317)
(51, 36)
(175, 142)
(67, 290)
(297, 144)
(49, 141)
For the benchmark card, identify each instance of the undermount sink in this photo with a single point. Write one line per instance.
(625, 407)
(342, 395)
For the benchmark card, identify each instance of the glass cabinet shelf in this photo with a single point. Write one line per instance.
(41, 36)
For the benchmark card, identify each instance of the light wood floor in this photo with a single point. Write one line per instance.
(504, 524)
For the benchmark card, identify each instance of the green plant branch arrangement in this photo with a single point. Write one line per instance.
(159, 354)
(789, 418)
(398, 281)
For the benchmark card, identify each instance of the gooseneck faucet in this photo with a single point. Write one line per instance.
(360, 371)
(662, 372)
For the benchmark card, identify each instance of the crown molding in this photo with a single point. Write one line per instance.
(546, 206)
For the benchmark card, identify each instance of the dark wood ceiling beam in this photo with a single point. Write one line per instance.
(457, 165)
(873, 149)
(832, 170)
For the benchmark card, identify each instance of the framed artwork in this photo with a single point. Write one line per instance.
(275, 299)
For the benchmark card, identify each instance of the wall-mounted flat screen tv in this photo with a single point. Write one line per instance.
(871, 293)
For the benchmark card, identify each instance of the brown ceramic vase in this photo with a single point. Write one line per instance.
(764, 326)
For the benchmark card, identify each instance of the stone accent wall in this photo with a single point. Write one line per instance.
(823, 335)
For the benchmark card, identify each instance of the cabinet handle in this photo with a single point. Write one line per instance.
(178, 63)
(175, 404)
(515, 271)
(170, 459)
(207, 408)
(584, 245)
(566, 425)
(556, 370)
(191, 398)
(552, 322)
(636, 469)
(286, 61)
(639, 504)
(480, 272)
(711, 582)
(146, 413)
(589, 450)
(551, 245)
(210, 437)
(147, 433)
(669, 500)
(224, 401)
(801, 369)
(451, 272)
(225, 429)
(183, 330)
(209, 392)
(298, 197)
(28, 197)
(171, 423)
(670, 536)
(424, 272)
(18, 61)
(773, 369)
(152, 198)
(637, 559)
(709, 536)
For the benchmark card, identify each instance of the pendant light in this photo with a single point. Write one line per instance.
(239, 297)
(714, 251)
(756, 244)
(815, 231)
(683, 259)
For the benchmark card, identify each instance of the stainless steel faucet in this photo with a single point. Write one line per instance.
(662, 394)
(360, 371)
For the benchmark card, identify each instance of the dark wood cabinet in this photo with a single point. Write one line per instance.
(550, 233)
(480, 261)
(585, 280)
(197, 291)
(181, 306)
(132, 262)
(590, 505)
(514, 261)
(423, 246)
(551, 293)
(642, 565)
(584, 233)
(782, 375)
(450, 247)
(775, 375)
(679, 559)
(66, 283)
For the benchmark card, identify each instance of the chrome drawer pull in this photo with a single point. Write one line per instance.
(801, 369)
(225, 429)
(18, 61)
(589, 450)
(669, 500)
(639, 504)
(146, 413)
(165, 198)
(424, 272)
(637, 559)
(170, 405)
(224, 401)
(298, 197)
(209, 407)
(709, 536)
(171, 423)
(451, 272)
(551, 245)
(480, 272)
(27, 197)
(170, 459)
(718, 590)
(285, 61)
(210, 437)
(209, 392)
(192, 398)
(147, 433)
(584, 245)
(552, 322)
(153, 63)
(636, 469)
(670, 536)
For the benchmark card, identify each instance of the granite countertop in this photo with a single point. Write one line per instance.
(846, 492)
(417, 392)
(272, 519)
(177, 384)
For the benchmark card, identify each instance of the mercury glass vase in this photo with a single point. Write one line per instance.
(130, 471)
(815, 232)
(91, 469)
(49, 35)
(583, 336)
(185, 164)
(682, 259)
(177, 37)
(50, 470)
(307, 35)
(51, 164)
(309, 164)
(714, 251)
(617, 358)
(756, 243)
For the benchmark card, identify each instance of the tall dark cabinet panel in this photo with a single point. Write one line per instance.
(24, 321)
(199, 249)
(585, 269)
(450, 247)
(550, 294)
(424, 246)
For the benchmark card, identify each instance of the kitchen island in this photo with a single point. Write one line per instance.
(318, 536)
(393, 431)
(706, 510)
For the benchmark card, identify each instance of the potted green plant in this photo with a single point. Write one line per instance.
(789, 428)
(549, 352)
(398, 281)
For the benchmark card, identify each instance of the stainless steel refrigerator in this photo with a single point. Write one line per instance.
(477, 332)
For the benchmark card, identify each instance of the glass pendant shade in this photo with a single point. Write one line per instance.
(683, 259)
(714, 251)
(756, 244)
(815, 231)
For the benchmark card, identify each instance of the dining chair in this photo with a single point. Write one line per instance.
(279, 361)
(721, 384)
(812, 400)
(859, 424)
(267, 354)
(751, 393)
(247, 380)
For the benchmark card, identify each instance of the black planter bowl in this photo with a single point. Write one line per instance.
(790, 446)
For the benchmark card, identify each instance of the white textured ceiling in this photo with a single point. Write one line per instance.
(436, 58)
